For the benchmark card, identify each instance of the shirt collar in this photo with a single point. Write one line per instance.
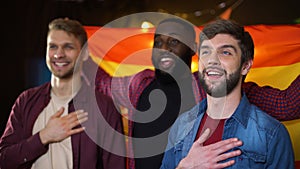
(241, 114)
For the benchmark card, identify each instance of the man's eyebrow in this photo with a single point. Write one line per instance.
(222, 47)
(229, 46)
(204, 47)
(64, 44)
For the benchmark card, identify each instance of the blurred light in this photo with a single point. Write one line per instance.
(194, 66)
(198, 13)
(222, 5)
(146, 25)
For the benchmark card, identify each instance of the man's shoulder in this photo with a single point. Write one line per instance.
(143, 78)
(191, 114)
(41, 89)
(185, 122)
(146, 73)
(35, 95)
(263, 120)
(253, 115)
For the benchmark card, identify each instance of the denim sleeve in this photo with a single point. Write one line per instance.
(170, 155)
(281, 154)
(168, 160)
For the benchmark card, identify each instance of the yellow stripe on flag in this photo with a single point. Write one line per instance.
(276, 76)
(117, 69)
(293, 126)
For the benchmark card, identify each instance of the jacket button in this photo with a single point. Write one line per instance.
(25, 159)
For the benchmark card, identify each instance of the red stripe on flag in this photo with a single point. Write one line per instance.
(275, 45)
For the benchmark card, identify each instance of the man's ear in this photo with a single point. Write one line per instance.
(246, 67)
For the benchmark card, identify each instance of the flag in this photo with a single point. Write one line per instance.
(126, 51)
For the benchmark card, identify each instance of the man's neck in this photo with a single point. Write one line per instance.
(66, 87)
(167, 79)
(223, 107)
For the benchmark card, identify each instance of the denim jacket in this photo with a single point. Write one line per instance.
(266, 142)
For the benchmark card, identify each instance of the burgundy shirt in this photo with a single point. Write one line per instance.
(19, 148)
(216, 127)
(281, 104)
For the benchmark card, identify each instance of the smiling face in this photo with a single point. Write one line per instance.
(169, 53)
(63, 50)
(172, 52)
(220, 69)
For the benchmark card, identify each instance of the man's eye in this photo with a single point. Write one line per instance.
(52, 46)
(173, 42)
(204, 53)
(157, 44)
(226, 53)
(69, 47)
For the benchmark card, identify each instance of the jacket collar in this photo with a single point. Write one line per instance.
(241, 114)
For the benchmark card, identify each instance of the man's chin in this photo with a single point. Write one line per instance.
(168, 68)
(163, 76)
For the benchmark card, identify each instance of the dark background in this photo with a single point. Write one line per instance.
(24, 27)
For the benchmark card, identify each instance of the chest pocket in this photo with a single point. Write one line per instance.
(249, 160)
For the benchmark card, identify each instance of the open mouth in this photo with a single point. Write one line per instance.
(60, 64)
(214, 73)
(166, 63)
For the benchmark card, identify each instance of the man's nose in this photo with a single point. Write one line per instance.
(59, 53)
(166, 46)
(213, 59)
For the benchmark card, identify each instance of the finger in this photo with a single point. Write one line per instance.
(224, 144)
(74, 115)
(228, 146)
(78, 122)
(224, 164)
(203, 136)
(231, 154)
(75, 131)
(83, 119)
(81, 115)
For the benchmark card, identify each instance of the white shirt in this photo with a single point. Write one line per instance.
(59, 154)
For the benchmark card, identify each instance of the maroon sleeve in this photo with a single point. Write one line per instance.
(112, 135)
(281, 104)
(115, 87)
(18, 148)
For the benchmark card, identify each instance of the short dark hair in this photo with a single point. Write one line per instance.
(186, 24)
(176, 26)
(70, 26)
(234, 29)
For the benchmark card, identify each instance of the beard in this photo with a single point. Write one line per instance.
(65, 75)
(180, 70)
(225, 87)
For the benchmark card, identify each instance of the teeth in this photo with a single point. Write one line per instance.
(60, 64)
(213, 73)
(165, 59)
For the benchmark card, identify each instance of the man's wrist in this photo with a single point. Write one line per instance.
(183, 164)
(43, 137)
